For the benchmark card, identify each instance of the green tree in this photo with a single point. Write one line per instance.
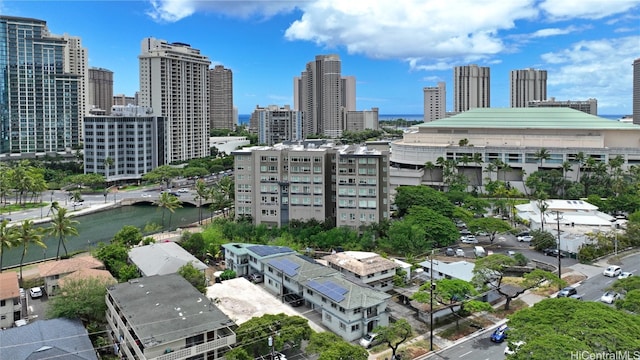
(162, 174)
(284, 329)
(490, 225)
(168, 202)
(543, 240)
(129, 236)
(330, 346)
(560, 328)
(62, 226)
(7, 239)
(26, 235)
(394, 334)
(194, 276)
(542, 155)
(630, 287)
(202, 193)
(81, 298)
(453, 294)
(490, 272)
(408, 196)
(113, 256)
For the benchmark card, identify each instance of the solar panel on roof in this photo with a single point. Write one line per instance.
(266, 250)
(285, 265)
(330, 289)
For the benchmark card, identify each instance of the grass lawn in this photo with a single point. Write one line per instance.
(515, 305)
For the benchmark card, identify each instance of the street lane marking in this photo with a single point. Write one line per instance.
(465, 354)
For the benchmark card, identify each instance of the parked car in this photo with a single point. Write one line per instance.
(609, 297)
(526, 238)
(612, 271)
(294, 300)
(183, 190)
(568, 291)
(624, 275)
(552, 252)
(500, 334)
(449, 252)
(513, 348)
(469, 239)
(35, 292)
(369, 340)
(257, 278)
(460, 253)
(576, 296)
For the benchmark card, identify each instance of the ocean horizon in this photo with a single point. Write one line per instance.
(244, 118)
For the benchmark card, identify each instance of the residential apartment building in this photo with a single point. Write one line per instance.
(53, 271)
(471, 87)
(221, 98)
(33, 77)
(527, 85)
(174, 83)
(10, 299)
(164, 317)
(311, 180)
(277, 124)
(512, 136)
(435, 101)
(370, 268)
(129, 143)
(162, 259)
(100, 89)
(321, 92)
(356, 121)
(587, 106)
(122, 100)
(636, 91)
(348, 307)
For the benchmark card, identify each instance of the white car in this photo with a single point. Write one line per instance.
(609, 297)
(368, 340)
(460, 253)
(183, 190)
(35, 292)
(527, 238)
(624, 275)
(612, 271)
(516, 347)
(470, 239)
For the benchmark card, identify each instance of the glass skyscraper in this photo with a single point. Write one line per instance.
(38, 100)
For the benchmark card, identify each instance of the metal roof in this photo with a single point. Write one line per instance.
(528, 118)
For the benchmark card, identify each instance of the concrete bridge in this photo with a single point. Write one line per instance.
(150, 201)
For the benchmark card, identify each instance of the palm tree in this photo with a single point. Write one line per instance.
(26, 235)
(542, 154)
(61, 227)
(7, 239)
(169, 202)
(429, 166)
(566, 167)
(202, 193)
(580, 159)
(543, 206)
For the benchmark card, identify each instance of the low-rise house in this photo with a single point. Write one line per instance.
(10, 300)
(371, 268)
(53, 271)
(164, 317)
(246, 259)
(462, 270)
(162, 259)
(103, 276)
(47, 339)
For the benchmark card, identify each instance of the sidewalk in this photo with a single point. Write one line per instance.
(575, 271)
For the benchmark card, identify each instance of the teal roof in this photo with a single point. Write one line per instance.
(529, 118)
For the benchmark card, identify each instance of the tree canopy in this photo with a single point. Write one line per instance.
(394, 334)
(408, 196)
(80, 298)
(332, 347)
(558, 328)
(252, 336)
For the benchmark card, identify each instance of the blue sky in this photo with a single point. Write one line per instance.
(394, 48)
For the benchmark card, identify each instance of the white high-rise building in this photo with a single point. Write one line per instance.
(435, 102)
(277, 124)
(528, 85)
(471, 87)
(174, 83)
(322, 94)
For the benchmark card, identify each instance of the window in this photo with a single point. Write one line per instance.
(327, 317)
(343, 326)
(355, 327)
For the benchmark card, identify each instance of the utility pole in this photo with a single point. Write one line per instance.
(559, 253)
(432, 288)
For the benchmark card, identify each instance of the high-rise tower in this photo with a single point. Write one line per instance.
(435, 100)
(221, 98)
(174, 83)
(528, 85)
(100, 89)
(471, 87)
(636, 91)
(39, 97)
(322, 93)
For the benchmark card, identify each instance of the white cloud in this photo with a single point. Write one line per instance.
(175, 10)
(553, 32)
(588, 9)
(594, 69)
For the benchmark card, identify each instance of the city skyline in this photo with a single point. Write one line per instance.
(393, 52)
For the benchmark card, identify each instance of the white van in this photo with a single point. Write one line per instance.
(479, 251)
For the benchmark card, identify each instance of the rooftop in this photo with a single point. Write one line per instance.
(162, 258)
(9, 288)
(163, 308)
(66, 266)
(102, 275)
(528, 118)
(360, 263)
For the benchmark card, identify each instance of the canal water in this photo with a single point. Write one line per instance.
(101, 227)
